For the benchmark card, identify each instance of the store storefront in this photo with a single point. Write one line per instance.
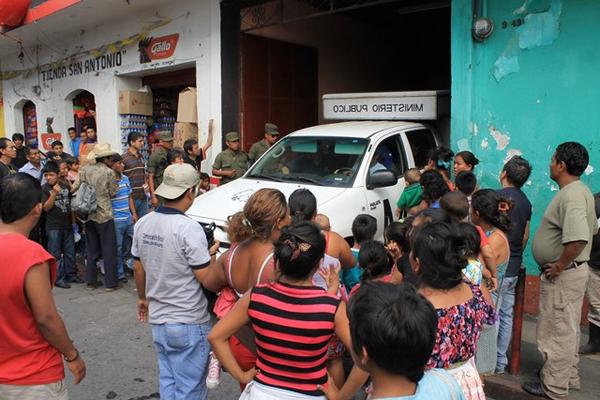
(153, 51)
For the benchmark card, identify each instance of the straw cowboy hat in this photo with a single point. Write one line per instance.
(101, 150)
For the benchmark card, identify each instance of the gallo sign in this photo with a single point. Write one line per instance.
(159, 48)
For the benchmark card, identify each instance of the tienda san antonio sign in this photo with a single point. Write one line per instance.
(159, 48)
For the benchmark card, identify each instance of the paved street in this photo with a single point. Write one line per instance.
(117, 349)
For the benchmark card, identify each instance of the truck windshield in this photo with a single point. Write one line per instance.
(322, 161)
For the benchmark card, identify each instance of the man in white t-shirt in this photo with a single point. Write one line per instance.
(171, 257)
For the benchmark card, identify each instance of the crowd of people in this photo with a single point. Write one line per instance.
(302, 313)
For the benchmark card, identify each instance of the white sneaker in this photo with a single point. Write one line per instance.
(213, 379)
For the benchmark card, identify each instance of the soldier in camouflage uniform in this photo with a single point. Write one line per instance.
(260, 147)
(231, 163)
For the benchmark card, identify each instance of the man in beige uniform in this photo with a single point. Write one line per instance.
(561, 247)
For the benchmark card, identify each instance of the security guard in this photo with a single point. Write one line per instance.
(231, 163)
(260, 147)
(158, 163)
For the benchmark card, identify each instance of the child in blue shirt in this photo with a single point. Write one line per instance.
(393, 330)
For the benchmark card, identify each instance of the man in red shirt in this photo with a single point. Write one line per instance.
(33, 337)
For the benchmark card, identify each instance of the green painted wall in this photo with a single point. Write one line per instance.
(527, 88)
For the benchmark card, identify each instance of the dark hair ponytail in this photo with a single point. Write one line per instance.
(299, 250)
(492, 208)
(375, 260)
(440, 249)
(303, 205)
(468, 157)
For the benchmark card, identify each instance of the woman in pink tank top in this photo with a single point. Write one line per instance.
(250, 262)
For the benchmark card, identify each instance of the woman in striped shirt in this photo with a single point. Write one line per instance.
(293, 322)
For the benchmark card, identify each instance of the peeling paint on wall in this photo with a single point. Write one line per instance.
(505, 66)
(540, 29)
(523, 9)
(501, 139)
(473, 128)
(463, 145)
(511, 153)
(485, 144)
(589, 170)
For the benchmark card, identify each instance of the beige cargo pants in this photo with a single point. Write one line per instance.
(50, 391)
(593, 295)
(558, 330)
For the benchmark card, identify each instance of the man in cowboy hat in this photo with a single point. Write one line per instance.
(171, 259)
(101, 239)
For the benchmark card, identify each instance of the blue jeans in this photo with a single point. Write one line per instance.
(61, 244)
(506, 312)
(124, 233)
(141, 207)
(182, 351)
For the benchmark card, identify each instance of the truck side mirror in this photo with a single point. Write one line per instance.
(382, 178)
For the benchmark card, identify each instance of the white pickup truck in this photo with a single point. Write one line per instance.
(351, 167)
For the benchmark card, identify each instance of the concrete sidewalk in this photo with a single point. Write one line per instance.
(508, 386)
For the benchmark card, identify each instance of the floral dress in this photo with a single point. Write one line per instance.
(458, 330)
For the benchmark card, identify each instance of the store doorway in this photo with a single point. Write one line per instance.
(84, 111)
(30, 125)
(165, 88)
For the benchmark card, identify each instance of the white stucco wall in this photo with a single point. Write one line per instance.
(196, 21)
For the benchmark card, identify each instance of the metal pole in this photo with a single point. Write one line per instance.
(515, 344)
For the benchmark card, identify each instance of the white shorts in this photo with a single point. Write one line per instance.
(258, 391)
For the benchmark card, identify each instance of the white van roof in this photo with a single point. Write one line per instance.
(355, 129)
(407, 106)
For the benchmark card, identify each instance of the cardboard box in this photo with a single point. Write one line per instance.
(184, 131)
(187, 108)
(132, 102)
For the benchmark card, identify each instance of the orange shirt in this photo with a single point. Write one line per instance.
(26, 357)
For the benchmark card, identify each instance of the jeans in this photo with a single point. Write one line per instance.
(182, 351)
(141, 207)
(124, 232)
(61, 245)
(506, 312)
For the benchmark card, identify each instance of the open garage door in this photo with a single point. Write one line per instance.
(359, 46)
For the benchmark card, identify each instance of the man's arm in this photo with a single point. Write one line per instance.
(132, 209)
(526, 235)
(209, 139)
(49, 203)
(113, 184)
(569, 254)
(139, 275)
(38, 291)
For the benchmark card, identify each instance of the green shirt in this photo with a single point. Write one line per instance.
(228, 160)
(411, 196)
(258, 149)
(157, 165)
(570, 217)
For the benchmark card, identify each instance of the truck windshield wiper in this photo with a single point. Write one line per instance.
(301, 179)
(266, 177)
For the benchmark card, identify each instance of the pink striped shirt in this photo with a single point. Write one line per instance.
(293, 325)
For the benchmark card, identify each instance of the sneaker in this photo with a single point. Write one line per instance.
(213, 379)
(112, 289)
(93, 286)
(75, 279)
(123, 280)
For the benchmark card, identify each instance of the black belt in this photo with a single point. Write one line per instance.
(575, 264)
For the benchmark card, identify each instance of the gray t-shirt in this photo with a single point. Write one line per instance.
(170, 246)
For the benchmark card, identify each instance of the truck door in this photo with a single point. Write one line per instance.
(418, 144)
(381, 202)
